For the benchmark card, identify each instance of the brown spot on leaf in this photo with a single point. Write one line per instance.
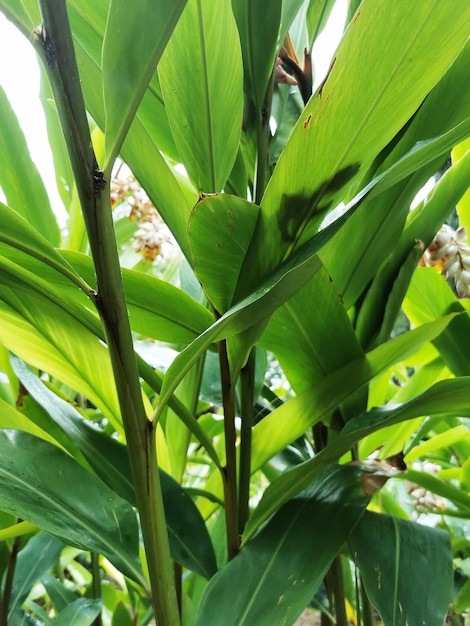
(356, 17)
(307, 122)
(320, 90)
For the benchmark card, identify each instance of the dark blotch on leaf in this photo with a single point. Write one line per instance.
(296, 210)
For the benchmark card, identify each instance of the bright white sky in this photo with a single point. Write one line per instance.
(19, 77)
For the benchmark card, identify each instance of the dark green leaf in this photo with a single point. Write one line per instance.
(406, 569)
(278, 571)
(294, 417)
(126, 76)
(37, 557)
(258, 30)
(26, 194)
(205, 108)
(82, 612)
(46, 487)
(342, 130)
(189, 540)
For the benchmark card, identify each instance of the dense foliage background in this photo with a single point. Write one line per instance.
(235, 383)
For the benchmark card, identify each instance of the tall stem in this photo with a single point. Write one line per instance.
(54, 42)
(230, 470)
(264, 134)
(247, 380)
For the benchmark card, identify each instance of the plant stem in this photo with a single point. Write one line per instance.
(10, 574)
(264, 134)
(367, 608)
(230, 471)
(96, 582)
(54, 42)
(247, 380)
(336, 583)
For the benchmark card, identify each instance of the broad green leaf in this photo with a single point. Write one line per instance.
(141, 147)
(157, 309)
(47, 333)
(438, 442)
(430, 297)
(18, 236)
(202, 83)
(446, 397)
(379, 310)
(463, 206)
(126, 76)
(11, 417)
(46, 487)
(272, 434)
(82, 612)
(217, 258)
(394, 558)
(258, 30)
(422, 226)
(294, 417)
(364, 87)
(37, 557)
(290, 8)
(254, 309)
(318, 13)
(278, 571)
(25, 15)
(62, 168)
(34, 259)
(59, 594)
(189, 540)
(440, 123)
(311, 336)
(28, 196)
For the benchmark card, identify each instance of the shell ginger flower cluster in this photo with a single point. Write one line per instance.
(151, 231)
(449, 250)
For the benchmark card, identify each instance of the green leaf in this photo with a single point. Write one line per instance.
(255, 308)
(26, 195)
(82, 612)
(317, 17)
(294, 417)
(18, 238)
(46, 331)
(25, 15)
(62, 168)
(341, 130)
(189, 539)
(46, 487)
(258, 30)
(201, 77)
(157, 309)
(278, 571)
(217, 259)
(430, 297)
(126, 76)
(141, 150)
(441, 122)
(37, 557)
(59, 594)
(311, 334)
(394, 558)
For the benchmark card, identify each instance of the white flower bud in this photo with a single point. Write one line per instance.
(452, 269)
(450, 262)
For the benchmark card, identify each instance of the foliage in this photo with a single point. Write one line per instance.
(229, 390)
